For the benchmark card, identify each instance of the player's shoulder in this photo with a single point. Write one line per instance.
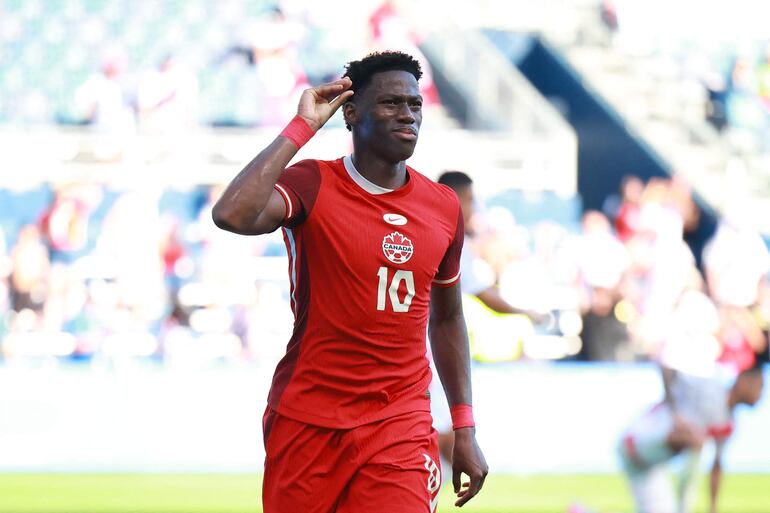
(317, 166)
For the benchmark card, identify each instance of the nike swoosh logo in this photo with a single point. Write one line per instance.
(394, 219)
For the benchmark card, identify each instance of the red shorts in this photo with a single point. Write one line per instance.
(382, 467)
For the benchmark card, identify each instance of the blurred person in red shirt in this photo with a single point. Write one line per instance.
(627, 217)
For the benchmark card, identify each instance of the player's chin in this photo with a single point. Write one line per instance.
(402, 150)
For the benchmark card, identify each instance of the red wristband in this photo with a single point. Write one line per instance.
(462, 416)
(298, 131)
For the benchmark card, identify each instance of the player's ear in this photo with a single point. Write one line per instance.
(349, 113)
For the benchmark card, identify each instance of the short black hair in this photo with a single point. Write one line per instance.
(361, 72)
(455, 180)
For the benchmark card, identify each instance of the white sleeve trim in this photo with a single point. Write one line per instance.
(287, 199)
(450, 280)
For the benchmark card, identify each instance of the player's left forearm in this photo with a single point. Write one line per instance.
(449, 344)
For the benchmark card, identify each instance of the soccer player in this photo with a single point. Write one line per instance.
(695, 409)
(374, 255)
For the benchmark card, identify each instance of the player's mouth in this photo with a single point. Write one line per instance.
(406, 133)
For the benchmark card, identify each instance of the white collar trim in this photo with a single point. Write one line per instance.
(371, 188)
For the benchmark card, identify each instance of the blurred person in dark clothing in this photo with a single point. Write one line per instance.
(605, 337)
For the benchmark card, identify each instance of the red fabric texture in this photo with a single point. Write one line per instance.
(382, 467)
(360, 290)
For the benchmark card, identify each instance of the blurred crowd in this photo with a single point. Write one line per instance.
(644, 285)
(739, 95)
(114, 276)
(720, 50)
(191, 63)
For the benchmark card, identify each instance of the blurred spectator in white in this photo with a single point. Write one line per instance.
(101, 102)
(662, 264)
(30, 267)
(167, 98)
(690, 343)
(129, 245)
(101, 99)
(659, 214)
(736, 259)
(280, 78)
(602, 258)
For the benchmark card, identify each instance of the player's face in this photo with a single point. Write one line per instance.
(465, 195)
(388, 114)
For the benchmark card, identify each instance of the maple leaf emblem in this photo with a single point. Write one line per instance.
(397, 248)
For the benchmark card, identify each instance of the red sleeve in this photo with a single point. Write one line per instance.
(298, 186)
(449, 269)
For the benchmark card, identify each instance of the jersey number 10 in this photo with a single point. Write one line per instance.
(398, 277)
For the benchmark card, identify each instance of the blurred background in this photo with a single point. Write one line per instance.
(620, 153)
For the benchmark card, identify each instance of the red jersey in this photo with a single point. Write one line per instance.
(362, 261)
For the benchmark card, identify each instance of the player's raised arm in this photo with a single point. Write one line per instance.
(250, 205)
(449, 343)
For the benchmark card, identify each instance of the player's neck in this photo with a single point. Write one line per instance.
(378, 171)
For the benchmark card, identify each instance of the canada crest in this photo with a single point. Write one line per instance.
(397, 248)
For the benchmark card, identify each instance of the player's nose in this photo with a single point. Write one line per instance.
(405, 114)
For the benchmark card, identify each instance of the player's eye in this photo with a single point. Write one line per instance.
(389, 101)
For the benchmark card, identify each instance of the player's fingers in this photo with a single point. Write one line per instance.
(477, 481)
(332, 89)
(456, 474)
(335, 104)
